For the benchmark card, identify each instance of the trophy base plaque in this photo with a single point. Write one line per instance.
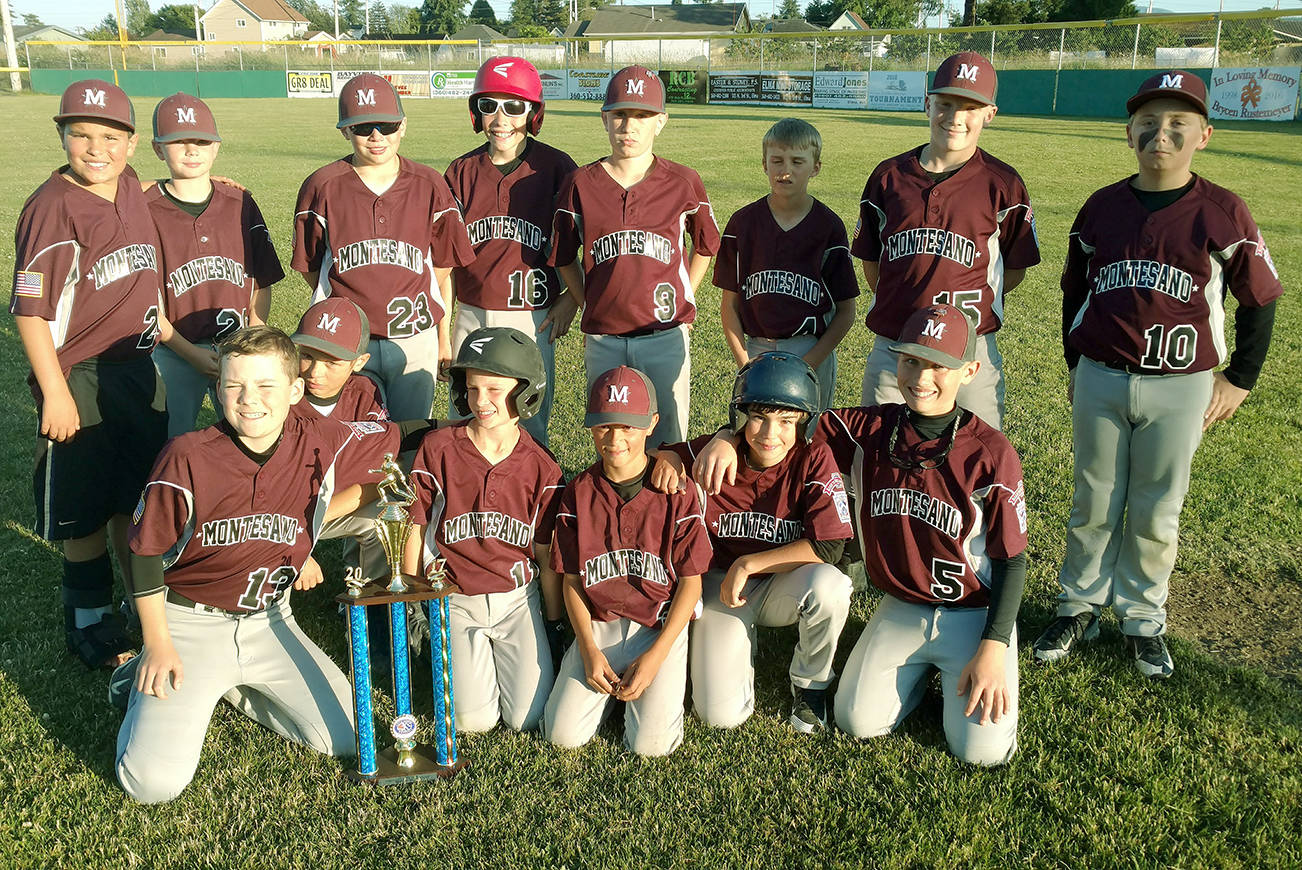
(390, 773)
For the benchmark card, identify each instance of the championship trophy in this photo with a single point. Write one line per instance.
(406, 759)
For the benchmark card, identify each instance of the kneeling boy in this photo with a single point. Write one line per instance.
(632, 559)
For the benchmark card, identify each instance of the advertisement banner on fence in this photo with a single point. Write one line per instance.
(897, 91)
(588, 84)
(1254, 93)
(409, 84)
(735, 87)
(841, 90)
(553, 85)
(310, 83)
(454, 84)
(791, 89)
(683, 85)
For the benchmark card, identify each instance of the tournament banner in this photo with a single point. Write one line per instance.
(310, 83)
(840, 90)
(735, 87)
(1254, 93)
(790, 89)
(897, 91)
(683, 85)
(588, 84)
(553, 85)
(455, 84)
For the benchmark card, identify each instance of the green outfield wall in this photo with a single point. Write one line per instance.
(151, 83)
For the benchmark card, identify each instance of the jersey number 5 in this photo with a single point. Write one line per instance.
(964, 299)
(947, 579)
(410, 316)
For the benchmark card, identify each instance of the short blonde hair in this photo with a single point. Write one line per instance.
(793, 133)
(261, 341)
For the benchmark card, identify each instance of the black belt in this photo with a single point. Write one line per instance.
(174, 597)
(1132, 369)
(642, 333)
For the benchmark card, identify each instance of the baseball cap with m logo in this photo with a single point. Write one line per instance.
(182, 116)
(966, 74)
(96, 100)
(369, 99)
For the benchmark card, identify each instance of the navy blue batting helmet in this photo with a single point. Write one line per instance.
(776, 379)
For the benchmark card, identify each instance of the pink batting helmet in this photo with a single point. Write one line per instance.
(508, 75)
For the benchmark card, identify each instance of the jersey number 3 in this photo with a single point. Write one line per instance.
(258, 594)
(410, 316)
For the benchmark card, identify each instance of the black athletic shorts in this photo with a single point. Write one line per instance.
(101, 471)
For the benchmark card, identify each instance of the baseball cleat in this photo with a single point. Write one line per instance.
(808, 710)
(119, 687)
(1151, 656)
(1063, 634)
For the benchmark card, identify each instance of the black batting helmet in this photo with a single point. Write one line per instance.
(776, 379)
(501, 350)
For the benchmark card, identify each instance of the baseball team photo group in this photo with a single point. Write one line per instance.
(853, 488)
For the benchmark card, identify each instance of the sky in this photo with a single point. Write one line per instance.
(71, 14)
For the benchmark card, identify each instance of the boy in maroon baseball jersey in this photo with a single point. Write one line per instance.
(627, 215)
(948, 223)
(507, 192)
(777, 532)
(632, 559)
(942, 519)
(225, 527)
(784, 265)
(1149, 263)
(217, 258)
(487, 495)
(85, 301)
(332, 338)
(378, 229)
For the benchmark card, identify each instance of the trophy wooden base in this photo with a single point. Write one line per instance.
(418, 589)
(389, 773)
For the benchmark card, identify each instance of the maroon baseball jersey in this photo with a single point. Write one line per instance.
(89, 267)
(485, 519)
(947, 241)
(380, 251)
(509, 219)
(629, 555)
(788, 281)
(800, 497)
(360, 399)
(234, 534)
(1148, 289)
(209, 263)
(634, 262)
(929, 534)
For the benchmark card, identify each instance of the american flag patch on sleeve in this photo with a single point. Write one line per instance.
(30, 284)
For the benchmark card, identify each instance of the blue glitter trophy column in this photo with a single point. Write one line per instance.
(406, 759)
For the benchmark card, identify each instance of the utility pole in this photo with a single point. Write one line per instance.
(11, 50)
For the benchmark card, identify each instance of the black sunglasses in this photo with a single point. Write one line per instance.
(363, 131)
(510, 108)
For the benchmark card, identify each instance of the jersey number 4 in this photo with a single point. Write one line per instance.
(409, 316)
(264, 585)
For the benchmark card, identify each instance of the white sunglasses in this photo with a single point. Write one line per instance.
(511, 108)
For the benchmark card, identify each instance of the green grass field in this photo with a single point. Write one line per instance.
(1203, 770)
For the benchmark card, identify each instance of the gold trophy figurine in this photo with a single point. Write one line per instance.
(393, 524)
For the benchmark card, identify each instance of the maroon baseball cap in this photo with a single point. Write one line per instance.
(941, 334)
(336, 326)
(1176, 83)
(368, 99)
(622, 396)
(182, 116)
(635, 87)
(96, 100)
(966, 74)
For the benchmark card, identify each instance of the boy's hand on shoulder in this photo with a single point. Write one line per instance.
(229, 182)
(1226, 399)
(717, 463)
(159, 664)
(59, 417)
(668, 473)
(310, 576)
(984, 682)
(639, 675)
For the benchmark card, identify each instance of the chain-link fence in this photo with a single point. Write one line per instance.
(1201, 41)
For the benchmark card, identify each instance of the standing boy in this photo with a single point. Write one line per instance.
(507, 192)
(632, 559)
(486, 500)
(942, 517)
(777, 533)
(627, 215)
(378, 229)
(224, 529)
(85, 301)
(1149, 263)
(784, 265)
(946, 223)
(218, 260)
